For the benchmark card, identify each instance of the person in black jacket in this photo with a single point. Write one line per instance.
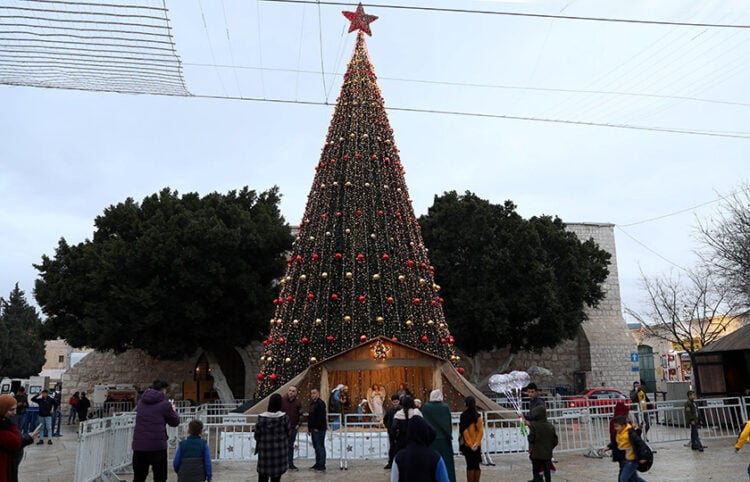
(47, 406)
(417, 462)
(83, 407)
(316, 426)
(387, 421)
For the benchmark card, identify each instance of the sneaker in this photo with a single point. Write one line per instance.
(41, 442)
(293, 467)
(319, 469)
(49, 442)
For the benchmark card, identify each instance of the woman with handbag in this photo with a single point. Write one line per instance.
(471, 432)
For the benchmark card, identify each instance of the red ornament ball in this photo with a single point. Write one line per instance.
(334, 297)
(415, 301)
(360, 257)
(443, 341)
(339, 214)
(304, 340)
(315, 256)
(338, 255)
(273, 377)
(386, 257)
(460, 370)
(380, 212)
(281, 340)
(389, 300)
(311, 296)
(261, 377)
(265, 342)
(424, 339)
(275, 301)
(289, 299)
(298, 258)
(363, 338)
(410, 263)
(451, 340)
(395, 338)
(330, 338)
(289, 260)
(359, 212)
(362, 298)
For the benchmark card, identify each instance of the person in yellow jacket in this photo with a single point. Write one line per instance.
(629, 442)
(472, 430)
(744, 437)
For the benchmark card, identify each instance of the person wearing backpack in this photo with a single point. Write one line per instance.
(635, 449)
(192, 461)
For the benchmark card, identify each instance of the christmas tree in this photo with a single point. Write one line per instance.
(358, 268)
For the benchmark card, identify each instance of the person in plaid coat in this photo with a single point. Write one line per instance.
(272, 441)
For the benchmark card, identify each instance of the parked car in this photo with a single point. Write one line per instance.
(594, 397)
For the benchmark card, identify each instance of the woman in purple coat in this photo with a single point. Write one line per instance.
(153, 414)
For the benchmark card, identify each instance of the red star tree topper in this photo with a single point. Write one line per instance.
(360, 20)
(358, 268)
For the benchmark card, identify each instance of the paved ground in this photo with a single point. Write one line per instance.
(673, 462)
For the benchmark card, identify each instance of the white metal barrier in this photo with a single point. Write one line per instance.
(105, 444)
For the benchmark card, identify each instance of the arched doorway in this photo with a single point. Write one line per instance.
(233, 369)
(646, 367)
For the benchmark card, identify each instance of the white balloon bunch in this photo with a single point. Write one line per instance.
(510, 384)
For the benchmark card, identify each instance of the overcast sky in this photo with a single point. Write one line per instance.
(66, 155)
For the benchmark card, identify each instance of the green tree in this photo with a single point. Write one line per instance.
(170, 275)
(21, 342)
(509, 281)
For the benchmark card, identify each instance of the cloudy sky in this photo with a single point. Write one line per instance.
(67, 154)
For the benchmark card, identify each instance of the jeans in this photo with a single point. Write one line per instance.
(292, 440)
(695, 441)
(156, 459)
(72, 414)
(46, 431)
(56, 422)
(630, 472)
(318, 441)
(29, 421)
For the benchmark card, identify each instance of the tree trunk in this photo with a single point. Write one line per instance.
(477, 366)
(220, 381)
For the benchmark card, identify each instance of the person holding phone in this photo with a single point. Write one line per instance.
(47, 406)
(11, 440)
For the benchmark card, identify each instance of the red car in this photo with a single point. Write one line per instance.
(597, 396)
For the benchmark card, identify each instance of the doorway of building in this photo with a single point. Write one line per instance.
(646, 367)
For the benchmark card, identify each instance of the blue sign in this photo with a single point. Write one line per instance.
(634, 357)
(634, 368)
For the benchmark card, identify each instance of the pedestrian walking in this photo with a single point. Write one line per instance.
(387, 422)
(438, 414)
(470, 439)
(153, 414)
(417, 462)
(692, 417)
(642, 401)
(633, 446)
(542, 441)
(742, 440)
(73, 404)
(47, 406)
(83, 407)
(272, 441)
(316, 427)
(57, 415)
(292, 407)
(192, 460)
(11, 440)
(621, 410)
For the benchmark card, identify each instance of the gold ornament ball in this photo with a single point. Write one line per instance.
(430, 322)
(442, 326)
(311, 238)
(376, 277)
(401, 277)
(380, 319)
(348, 184)
(303, 277)
(348, 231)
(273, 320)
(422, 281)
(283, 281)
(287, 360)
(373, 236)
(352, 135)
(409, 323)
(349, 275)
(318, 321)
(295, 323)
(313, 359)
(435, 288)
(324, 275)
(263, 358)
(367, 184)
(347, 319)
(328, 233)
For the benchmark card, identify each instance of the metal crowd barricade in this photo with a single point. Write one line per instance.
(363, 437)
(104, 446)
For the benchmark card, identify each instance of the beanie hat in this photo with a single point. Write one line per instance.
(6, 403)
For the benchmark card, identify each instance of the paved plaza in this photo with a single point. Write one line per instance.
(673, 462)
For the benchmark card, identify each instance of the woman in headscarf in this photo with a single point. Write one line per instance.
(438, 414)
(11, 441)
(272, 441)
(472, 431)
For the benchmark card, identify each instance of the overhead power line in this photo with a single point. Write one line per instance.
(521, 14)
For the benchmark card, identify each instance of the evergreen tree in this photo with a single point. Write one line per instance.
(21, 343)
(358, 268)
